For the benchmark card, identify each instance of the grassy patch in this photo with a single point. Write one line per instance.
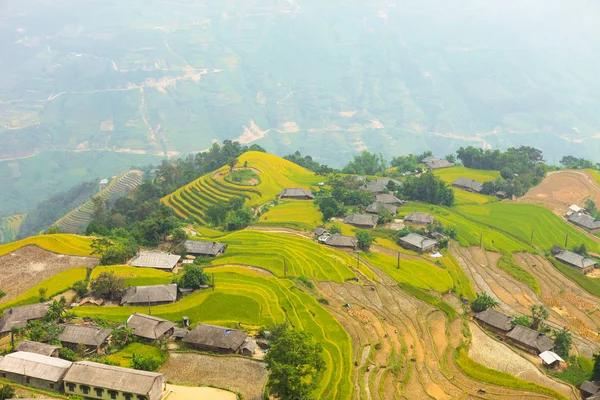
(579, 370)
(429, 298)
(508, 264)
(590, 285)
(449, 175)
(136, 276)
(123, 357)
(295, 214)
(245, 177)
(60, 243)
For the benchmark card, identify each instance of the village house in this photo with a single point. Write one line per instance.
(585, 221)
(38, 348)
(93, 338)
(204, 249)
(297, 194)
(319, 232)
(156, 259)
(583, 264)
(550, 359)
(149, 295)
(529, 340)
(34, 370)
(419, 218)
(414, 241)
(436, 163)
(18, 317)
(388, 199)
(590, 389)
(219, 340)
(341, 241)
(379, 185)
(573, 208)
(361, 220)
(468, 184)
(495, 321)
(378, 208)
(99, 381)
(149, 327)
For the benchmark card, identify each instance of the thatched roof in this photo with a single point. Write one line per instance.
(34, 365)
(574, 259)
(590, 387)
(112, 378)
(418, 241)
(319, 231)
(378, 208)
(180, 333)
(379, 185)
(387, 198)
(361, 220)
(36, 347)
(156, 259)
(150, 294)
(585, 221)
(419, 218)
(196, 247)
(338, 240)
(85, 334)
(495, 318)
(469, 184)
(216, 337)
(249, 345)
(296, 193)
(149, 327)
(19, 316)
(436, 163)
(531, 338)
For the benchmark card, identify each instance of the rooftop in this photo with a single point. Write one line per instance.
(216, 336)
(35, 365)
(584, 220)
(418, 241)
(468, 184)
(18, 316)
(150, 294)
(495, 318)
(419, 217)
(36, 347)
(531, 338)
(155, 259)
(377, 208)
(203, 248)
(575, 259)
(436, 163)
(361, 219)
(296, 192)
(86, 334)
(387, 198)
(149, 327)
(337, 240)
(550, 357)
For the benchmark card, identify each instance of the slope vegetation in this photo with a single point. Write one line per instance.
(9, 227)
(449, 175)
(59, 243)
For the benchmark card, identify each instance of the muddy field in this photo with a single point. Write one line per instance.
(30, 265)
(234, 373)
(561, 189)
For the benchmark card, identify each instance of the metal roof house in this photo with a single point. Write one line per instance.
(93, 338)
(585, 221)
(414, 241)
(34, 370)
(337, 240)
(37, 348)
(149, 327)
(577, 261)
(419, 218)
(149, 295)
(550, 359)
(495, 320)
(529, 340)
(362, 220)
(387, 198)
(378, 208)
(156, 259)
(204, 249)
(19, 316)
(99, 381)
(216, 339)
(296, 193)
(468, 184)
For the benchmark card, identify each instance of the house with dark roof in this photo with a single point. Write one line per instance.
(216, 339)
(577, 261)
(204, 249)
(296, 193)
(585, 221)
(18, 317)
(94, 339)
(468, 184)
(529, 340)
(100, 381)
(589, 388)
(495, 320)
(378, 208)
(35, 370)
(38, 348)
(156, 259)
(319, 231)
(149, 295)
(414, 241)
(436, 163)
(362, 220)
(341, 241)
(419, 218)
(379, 185)
(149, 327)
(387, 198)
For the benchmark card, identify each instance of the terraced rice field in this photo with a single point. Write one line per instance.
(449, 175)
(192, 200)
(10, 226)
(295, 214)
(77, 220)
(136, 276)
(58, 243)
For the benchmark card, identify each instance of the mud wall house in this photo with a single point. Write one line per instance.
(585, 221)
(204, 249)
(216, 339)
(577, 261)
(35, 370)
(529, 340)
(99, 381)
(149, 295)
(94, 339)
(495, 321)
(378, 208)
(296, 194)
(156, 260)
(362, 220)
(468, 184)
(341, 241)
(19, 316)
(419, 218)
(150, 328)
(38, 348)
(414, 241)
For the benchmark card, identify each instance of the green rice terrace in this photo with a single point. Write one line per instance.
(9, 227)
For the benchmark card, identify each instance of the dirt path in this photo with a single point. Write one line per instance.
(273, 229)
(175, 392)
(261, 271)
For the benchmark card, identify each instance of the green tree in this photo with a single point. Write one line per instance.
(562, 342)
(539, 314)
(596, 370)
(144, 363)
(42, 292)
(366, 164)
(295, 363)
(107, 285)
(522, 320)
(193, 277)
(122, 336)
(179, 235)
(81, 288)
(590, 206)
(507, 173)
(100, 245)
(7, 392)
(333, 229)
(231, 162)
(483, 302)
(385, 216)
(365, 240)
(55, 311)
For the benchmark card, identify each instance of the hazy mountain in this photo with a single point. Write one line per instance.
(141, 79)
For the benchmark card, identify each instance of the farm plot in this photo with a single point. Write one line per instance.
(238, 374)
(29, 266)
(59, 243)
(449, 175)
(295, 214)
(10, 226)
(136, 276)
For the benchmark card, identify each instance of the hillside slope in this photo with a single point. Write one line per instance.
(9, 227)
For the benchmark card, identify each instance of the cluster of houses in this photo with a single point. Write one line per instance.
(581, 218)
(519, 336)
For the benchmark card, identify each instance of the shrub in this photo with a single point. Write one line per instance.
(68, 354)
(306, 282)
(323, 300)
(81, 288)
(144, 363)
(193, 277)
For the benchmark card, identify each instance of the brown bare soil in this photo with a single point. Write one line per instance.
(234, 373)
(562, 188)
(195, 393)
(30, 265)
